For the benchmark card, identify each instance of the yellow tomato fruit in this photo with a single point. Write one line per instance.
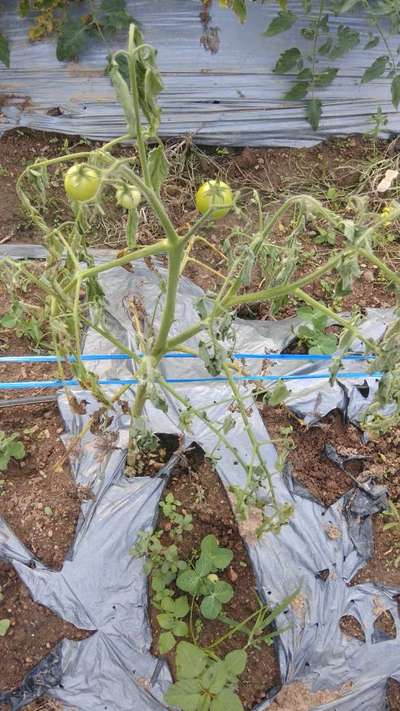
(81, 182)
(214, 193)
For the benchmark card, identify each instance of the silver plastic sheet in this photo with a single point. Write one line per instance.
(227, 97)
(103, 589)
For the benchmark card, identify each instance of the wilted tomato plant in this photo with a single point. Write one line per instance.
(71, 283)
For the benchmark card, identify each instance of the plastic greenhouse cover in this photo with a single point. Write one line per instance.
(227, 97)
(103, 589)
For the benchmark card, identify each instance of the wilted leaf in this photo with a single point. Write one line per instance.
(158, 167)
(386, 182)
(278, 394)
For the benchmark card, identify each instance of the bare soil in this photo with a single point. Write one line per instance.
(41, 504)
(33, 632)
(199, 489)
(393, 695)
(326, 482)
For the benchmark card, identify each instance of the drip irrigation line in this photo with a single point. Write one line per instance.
(34, 400)
(235, 356)
(26, 385)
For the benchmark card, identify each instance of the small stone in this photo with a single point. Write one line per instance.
(369, 276)
(50, 533)
(28, 660)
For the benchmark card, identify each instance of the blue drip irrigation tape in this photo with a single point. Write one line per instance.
(26, 385)
(235, 356)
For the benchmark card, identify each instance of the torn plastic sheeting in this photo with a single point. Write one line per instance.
(227, 97)
(114, 667)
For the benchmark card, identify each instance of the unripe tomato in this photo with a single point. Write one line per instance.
(81, 182)
(214, 192)
(128, 197)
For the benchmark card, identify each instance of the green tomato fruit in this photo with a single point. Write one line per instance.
(128, 197)
(214, 192)
(81, 182)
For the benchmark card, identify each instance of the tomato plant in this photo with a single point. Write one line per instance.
(216, 197)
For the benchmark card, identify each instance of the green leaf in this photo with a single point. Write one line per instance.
(223, 591)
(220, 557)
(190, 661)
(314, 112)
(327, 344)
(158, 167)
(4, 460)
(346, 40)
(215, 678)
(287, 60)
(181, 606)
(181, 629)
(326, 77)
(377, 68)
(210, 607)
(165, 621)
(396, 91)
(278, 394)
(71, 40)
(4, 50)
(372, 42)
(189, 581)
(326, 47)
(167, 604)
(166, 642)
(115, 16)
(185, 694)
(346, 6)
(10, 319)
(227, 699)
(282, 22)
(16, 450)
(297, 91)
(4, 627)
(235, 662)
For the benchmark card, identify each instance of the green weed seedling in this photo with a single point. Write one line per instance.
(10, 448)
(202, 580)
(205, 684)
